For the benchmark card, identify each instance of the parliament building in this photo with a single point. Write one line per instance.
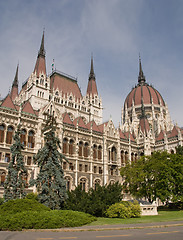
(96, 150)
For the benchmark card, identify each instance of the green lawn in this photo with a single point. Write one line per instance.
(163, 216)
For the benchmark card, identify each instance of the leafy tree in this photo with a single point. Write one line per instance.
(14, 186)
(157, 176)
(50, 181)
(179, 150)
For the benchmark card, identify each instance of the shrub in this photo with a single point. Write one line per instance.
(22, 205)
(95, 202)
(44, 220)
(33, 196)
(1, 201)
(124, 210)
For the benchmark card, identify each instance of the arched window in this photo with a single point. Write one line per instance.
(126, 157)
(31, 139)
(71, 147)
(2, 130)
(96, 183)
(99, 153)
(25, 179)
(172, 151)
(80, 149)
(135, 157)
(9, 135)
(113, 154)
(65, 145)
(132, 157)
(86, 150)
(29, 160)
(2, 178)
(122, 158)
(94, 151)
(82, 183)
(23, 137)
(112, 182)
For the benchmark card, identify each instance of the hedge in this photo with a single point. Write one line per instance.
(44, 220)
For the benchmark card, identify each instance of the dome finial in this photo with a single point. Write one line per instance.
(141, 77)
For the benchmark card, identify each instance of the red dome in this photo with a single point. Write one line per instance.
(143, 93)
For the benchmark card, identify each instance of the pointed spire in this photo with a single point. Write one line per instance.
(14, 88)
(40, 66)
(41, 50)
(92, 86)
(92, 74)
(141, 77)
(15, 82)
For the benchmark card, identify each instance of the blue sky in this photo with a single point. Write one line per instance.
(115, 31)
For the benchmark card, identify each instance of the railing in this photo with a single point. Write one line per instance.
(63, 74)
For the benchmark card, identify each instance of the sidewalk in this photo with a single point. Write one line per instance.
(114, 227)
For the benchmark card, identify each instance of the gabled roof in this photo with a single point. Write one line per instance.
(8, 103)
(94, 126)
(101, 126)
(161, 136)
(128, 134)
(65, 84)
(27, 108)
(122, 135)
(80, 122)
(174, 132)
(66, 118)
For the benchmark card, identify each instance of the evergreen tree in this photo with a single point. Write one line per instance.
(14, 186)
(50, 181)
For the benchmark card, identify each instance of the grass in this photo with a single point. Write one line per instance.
(163, 216)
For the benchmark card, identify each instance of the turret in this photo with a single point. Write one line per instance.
(92, 86)
(14, 89)
(40, 66)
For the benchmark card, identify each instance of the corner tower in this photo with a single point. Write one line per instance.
(36, 88)
(92, 97)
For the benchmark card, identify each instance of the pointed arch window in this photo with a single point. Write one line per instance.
(126, 157)
(113, 154)
(65, 145)
(2, 178)
(99, 153)
(122, 158)
(136, 157)
(80, 149)
(82, 183)
(23, 137)
(25, 179)
(94, 151)
(86, 150)
(2, 131)
(31, 139)
(96, 183)
(71, 147)
(9, 135)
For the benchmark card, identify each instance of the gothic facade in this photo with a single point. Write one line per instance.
(96, 150)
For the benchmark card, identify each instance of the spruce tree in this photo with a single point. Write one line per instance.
(50, 181)
(14, 185)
